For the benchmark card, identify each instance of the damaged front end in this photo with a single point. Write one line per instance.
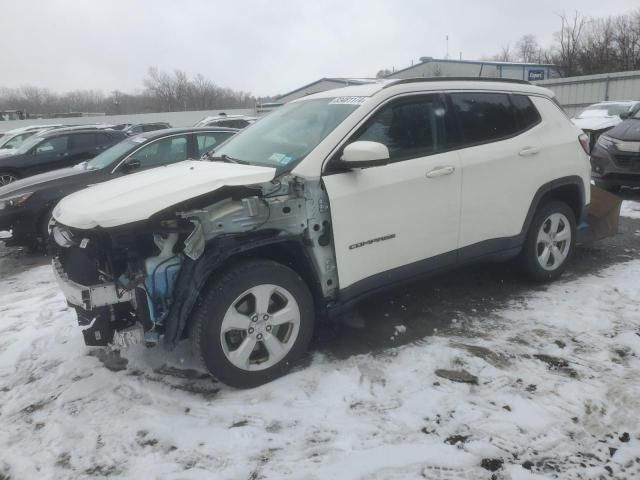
(140, 281)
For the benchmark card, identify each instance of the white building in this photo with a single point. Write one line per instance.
(439, 67)
(320, 86)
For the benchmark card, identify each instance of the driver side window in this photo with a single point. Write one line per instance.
(409, 128)
(167, 150)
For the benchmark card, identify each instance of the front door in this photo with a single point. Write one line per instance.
(391, 222)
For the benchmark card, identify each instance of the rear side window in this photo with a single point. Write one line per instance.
(409, 128)
(526, 112)
(484, 117)
(106, 139)
(84, 141)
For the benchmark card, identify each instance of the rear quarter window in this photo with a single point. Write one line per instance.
(526, 112)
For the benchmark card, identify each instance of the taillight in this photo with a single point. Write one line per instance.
(584, 141)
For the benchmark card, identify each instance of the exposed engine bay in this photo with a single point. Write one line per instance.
(140, 281)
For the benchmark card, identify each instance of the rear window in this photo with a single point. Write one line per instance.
(484, 117)
(526, 113)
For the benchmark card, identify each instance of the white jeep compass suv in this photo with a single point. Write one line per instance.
(330, 198)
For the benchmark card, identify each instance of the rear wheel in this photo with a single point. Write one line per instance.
(7, 177)
(550, 242)
(254, 322)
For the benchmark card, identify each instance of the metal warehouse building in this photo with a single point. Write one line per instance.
(438, 67)
(430, 67)
(575, 93)
(320, 86)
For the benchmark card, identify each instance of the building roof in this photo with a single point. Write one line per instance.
(430, 84)
(424, 60)
(345, 81)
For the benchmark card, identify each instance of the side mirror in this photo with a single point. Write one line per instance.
(625, 115)
(363, 154)
(131, 165)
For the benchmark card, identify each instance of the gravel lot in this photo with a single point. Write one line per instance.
(471, 375)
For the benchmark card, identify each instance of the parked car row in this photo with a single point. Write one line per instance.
(614, 140)
(26, 205)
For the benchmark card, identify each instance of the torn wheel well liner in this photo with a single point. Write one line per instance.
(221, 253)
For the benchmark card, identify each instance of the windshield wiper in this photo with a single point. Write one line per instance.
(226, 159)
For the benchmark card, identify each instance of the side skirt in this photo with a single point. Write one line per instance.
(499, 249)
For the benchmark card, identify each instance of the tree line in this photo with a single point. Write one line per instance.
(583, 45)
(163, 92)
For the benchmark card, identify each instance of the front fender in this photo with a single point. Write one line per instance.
(194, 274)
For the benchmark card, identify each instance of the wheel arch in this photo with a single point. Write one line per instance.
(569, 190)
(222, 254)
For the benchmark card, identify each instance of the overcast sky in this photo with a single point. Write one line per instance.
(261, 46)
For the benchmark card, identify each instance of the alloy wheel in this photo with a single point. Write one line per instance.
(7, 178)
(554, 241)
(260, 327)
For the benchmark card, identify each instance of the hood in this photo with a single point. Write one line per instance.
(596, 123)
(45, 180)
(138, 196)
(628, 130)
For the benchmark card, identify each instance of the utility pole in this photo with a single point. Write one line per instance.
(447, 54)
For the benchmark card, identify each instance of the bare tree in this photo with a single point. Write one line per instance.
(569, 42)
(505, 54)
(527, 49)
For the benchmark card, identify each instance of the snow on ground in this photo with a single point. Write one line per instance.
(630, 209)
(558, 391)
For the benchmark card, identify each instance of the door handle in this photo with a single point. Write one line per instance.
(441, 171)
(528, 151)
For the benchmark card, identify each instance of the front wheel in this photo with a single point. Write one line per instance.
(7, 177)
(254, 322)
(550, 242)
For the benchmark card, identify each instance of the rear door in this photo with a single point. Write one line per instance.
(499, 155)
(391, 222)
(84, 146)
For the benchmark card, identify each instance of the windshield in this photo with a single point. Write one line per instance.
(17, 140)
(28, 144)
(609, 110)
(114, 153)
(286, 136)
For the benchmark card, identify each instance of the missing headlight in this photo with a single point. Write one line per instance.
(63, 236)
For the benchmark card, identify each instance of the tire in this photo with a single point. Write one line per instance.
(258, 350)
(541, 262)
(7, 177)
(43, 226)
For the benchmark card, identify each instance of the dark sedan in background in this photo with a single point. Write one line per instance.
(26, 205)
(53, 149)
(615, 158)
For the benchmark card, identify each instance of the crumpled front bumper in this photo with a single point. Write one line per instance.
(90, 297)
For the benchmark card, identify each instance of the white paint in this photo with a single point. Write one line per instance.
(138, 196)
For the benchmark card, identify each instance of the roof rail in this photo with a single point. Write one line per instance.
(400, 81)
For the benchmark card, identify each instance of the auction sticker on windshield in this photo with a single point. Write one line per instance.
(348, 101)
